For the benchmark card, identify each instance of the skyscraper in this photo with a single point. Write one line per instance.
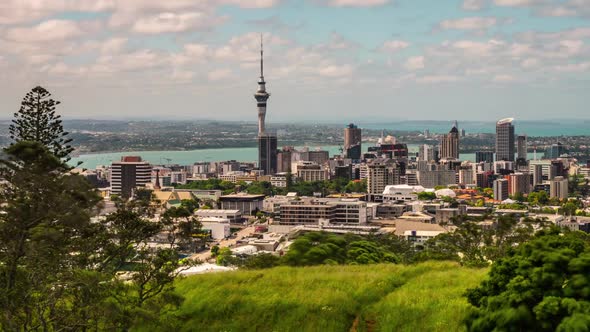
(267, 142)
(521, 147)
(449, 144)
(352, 142)
(505, 140)
(129, 173)
(500, 190)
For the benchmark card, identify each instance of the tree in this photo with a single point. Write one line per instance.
(37, 121)
(541, 285)
(426, 196)
(44, 218)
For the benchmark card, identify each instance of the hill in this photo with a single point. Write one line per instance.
(385, 297)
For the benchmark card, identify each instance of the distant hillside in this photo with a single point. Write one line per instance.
(387, 297)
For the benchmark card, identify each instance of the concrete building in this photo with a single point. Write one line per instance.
(467, 176)
(381, 173)
(218, 228)
(518, 183)
(500, 190)
(335, 211)
(537, 174)
(449, 144)
(521, 147)
(352, 142)
(233, 216)
(284, 159)
(401, 192)
(558, 188)
(419, 238)
(439, 177)
(484, 156)
(128, 174)
(427, 153)
(247, 204)
(505, 140)
(309, 171)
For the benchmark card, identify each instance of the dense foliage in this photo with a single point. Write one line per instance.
(542, 285)
(302, 188)
(62, 267)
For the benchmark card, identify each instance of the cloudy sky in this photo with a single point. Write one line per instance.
(328, 60)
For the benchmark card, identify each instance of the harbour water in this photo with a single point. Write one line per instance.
(91, 161)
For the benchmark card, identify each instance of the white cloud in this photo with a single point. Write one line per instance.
(357, 3)
(219, 74)
(415, 63)
(503, 78)
(515, 3)
(336, 71)
(438, 79)
(473, 4)
(46, 31)
(394, 45)
(469, 23)
(172, 22)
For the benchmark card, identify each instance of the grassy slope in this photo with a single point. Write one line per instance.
(390, 297)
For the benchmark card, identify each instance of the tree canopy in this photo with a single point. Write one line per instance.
(541, 285)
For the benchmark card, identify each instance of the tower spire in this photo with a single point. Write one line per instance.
(261, 59)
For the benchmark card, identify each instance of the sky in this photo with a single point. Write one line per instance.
(325, 60)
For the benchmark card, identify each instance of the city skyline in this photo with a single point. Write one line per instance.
(470, 60)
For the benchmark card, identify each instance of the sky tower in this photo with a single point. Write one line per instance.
(261, 95)
(267, 142)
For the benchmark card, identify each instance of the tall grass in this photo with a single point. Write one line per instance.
(386, 297)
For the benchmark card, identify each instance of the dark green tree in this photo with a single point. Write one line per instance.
(541, 285)
(38, 121)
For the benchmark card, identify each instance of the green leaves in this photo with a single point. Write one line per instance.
(542, 285)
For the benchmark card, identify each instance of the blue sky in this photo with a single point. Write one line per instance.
(326, 60)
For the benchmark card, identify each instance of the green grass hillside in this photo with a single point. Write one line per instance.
(386, 297)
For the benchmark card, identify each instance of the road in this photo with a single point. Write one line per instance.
(206, 256)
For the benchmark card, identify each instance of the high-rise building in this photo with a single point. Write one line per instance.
(267, 153)
(505, 140)
(485, 156)
(537, 172)
(426, 153)
(449, 144)
(521, 147)
(381, 173)
(558, 188)
(501, 189)
(554, 151)
(284, 159)
(518, 183)
(352, 142)
(267, 142)
(129, 173)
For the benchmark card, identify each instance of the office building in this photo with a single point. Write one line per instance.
(501, 190)
(308, 171)
(484, 156)
(558, 187)
(380, 173)
(505, 140)
(521, 147)
(554, 151)
(267, 142)
(129, 173)
(245, 203)
(449, 144)
(537, 174)
(438, 177)
(518, 183)
(426, 153)
(284, 159)
(352, 142)
(467, 176)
